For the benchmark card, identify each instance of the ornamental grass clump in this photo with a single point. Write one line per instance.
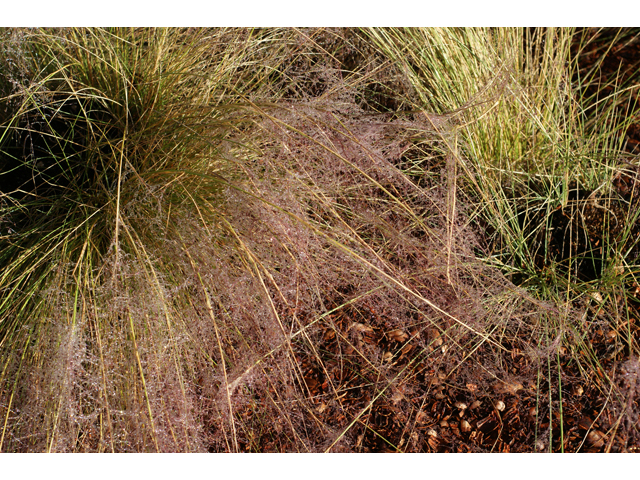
(531, 137)
(109, 137)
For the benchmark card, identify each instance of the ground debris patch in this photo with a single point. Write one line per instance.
(428, 410)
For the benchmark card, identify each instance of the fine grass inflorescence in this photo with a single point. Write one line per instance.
(316, 240)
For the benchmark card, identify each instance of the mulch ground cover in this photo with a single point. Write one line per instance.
(433, 410)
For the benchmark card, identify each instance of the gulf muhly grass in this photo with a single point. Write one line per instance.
(112, 137)
(212, 240)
